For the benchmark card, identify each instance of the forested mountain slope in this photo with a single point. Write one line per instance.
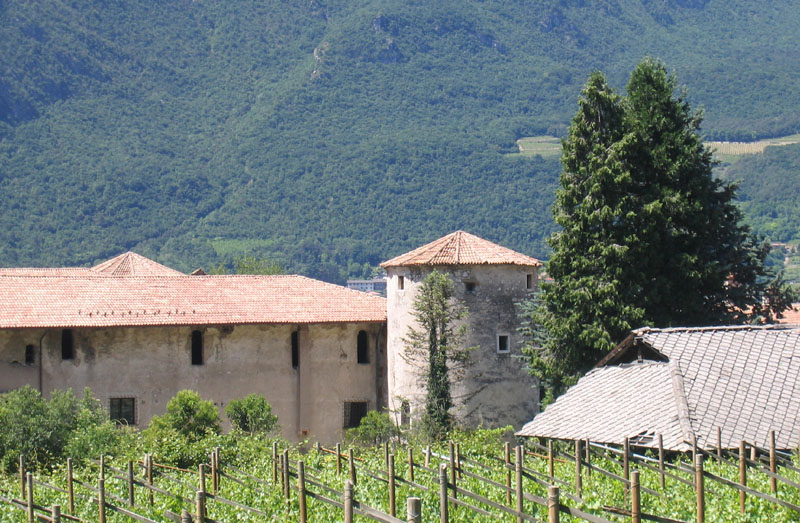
(332, 134)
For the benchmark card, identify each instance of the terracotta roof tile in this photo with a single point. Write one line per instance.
(132, 264)
(461, 248)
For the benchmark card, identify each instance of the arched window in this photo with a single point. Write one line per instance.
(363, 347)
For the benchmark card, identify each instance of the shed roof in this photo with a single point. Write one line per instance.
(461, 248)
(90, 298)
(744, 380)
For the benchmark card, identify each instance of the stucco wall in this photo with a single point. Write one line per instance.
(151, 364)
(497, 389)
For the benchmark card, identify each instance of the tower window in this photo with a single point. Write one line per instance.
(354, 411)
(30, 357)
(470, 286)
(295, 349)
(503, 344)
(363, 347)
(401, 282)
(122, 410)
(529, 281)
(197, 348)
(67, 345)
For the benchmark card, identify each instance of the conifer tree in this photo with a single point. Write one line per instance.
(648, 235)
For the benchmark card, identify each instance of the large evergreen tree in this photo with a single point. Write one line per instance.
(649, 236)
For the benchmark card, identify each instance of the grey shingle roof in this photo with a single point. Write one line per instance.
(745, 380)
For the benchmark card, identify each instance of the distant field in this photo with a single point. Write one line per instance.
(727, 152)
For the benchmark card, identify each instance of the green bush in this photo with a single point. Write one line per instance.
(376, 427)
(252, 414)
(190, 416)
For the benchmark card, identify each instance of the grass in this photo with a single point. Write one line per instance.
(726, 152)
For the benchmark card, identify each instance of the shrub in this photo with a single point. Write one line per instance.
(252, 414)
(190, 416)
(376, 427)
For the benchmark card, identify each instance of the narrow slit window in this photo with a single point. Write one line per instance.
(503, 344)
(197, 348)
(295, 349)
(363, 347)
(405, 414)
(122, 410)
(67, 345)
(529, 281)
(30, 355)
(401, 282)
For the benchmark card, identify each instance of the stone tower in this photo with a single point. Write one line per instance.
(489, 280)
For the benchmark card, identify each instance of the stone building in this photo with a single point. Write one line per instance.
(137, 332)
(489, 280)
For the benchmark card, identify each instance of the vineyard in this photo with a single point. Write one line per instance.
(477, 477)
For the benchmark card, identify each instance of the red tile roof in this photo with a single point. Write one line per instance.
(132, 264)
(461, 248)
(88, 298)
(791, 316)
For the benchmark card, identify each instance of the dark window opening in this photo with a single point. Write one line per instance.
(197, 348)
(401, 282)
(502, 343)
(295, 349)
(122, 410)
(405, 413)
(529, 281)
(470, 286)
(354, 411)
(67, 345)
(363, 347)
(30, 357)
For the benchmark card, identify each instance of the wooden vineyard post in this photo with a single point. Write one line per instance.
(742, 475)
(753, 453)
(55, 513)
(348, 501)
(101, 500)
(386, 453)
(102, 467)
(274, 462)
(148, 458)
(507, 459)
(719, 444)
(458, 460)
(518, 480)
(636, 505)
(661, 460)
(428, 456)
(443, 493)
(287, 490)
(201, 477)
(588, 458)
(131, 493)
(552, 504)
(70, 489)
(410, 463)
(453, 468)
(578, 478)
(694, 448)
(626, 466)
(200, 506)
(338, 459)
(29, 496)
(22, 479)
(414, 510)
(301, 491)
(773, 483)
(698, 484)
(216, 470)
(550, 468)
(185, 516)
(392, 506)
(213, 466)
(351, 462)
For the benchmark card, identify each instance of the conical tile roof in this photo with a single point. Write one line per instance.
(461, 248)
(132, 264)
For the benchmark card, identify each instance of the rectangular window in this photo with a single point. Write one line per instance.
(354, 411)
(529, 281)
(122, 410)
(503, 343)
(362, 347)
(30, 355)
(401, 282)
(67, 345)
(295, 349)
(197, 348)
(470, 286)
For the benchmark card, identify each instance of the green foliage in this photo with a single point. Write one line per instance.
(649, 236)
(249, 264)
(375, 428)
(435, 348)
(252, 414)
(45, 432)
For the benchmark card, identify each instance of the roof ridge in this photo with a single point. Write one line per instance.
(712, 328)
(682, 404)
